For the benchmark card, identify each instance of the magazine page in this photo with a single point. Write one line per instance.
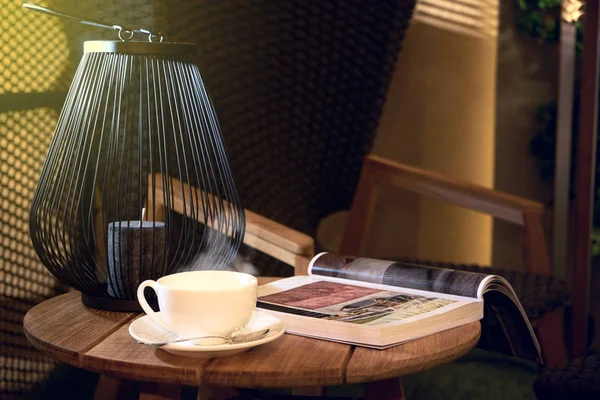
(505, 326)
(400, 274)
(505, 330)
(340, 301)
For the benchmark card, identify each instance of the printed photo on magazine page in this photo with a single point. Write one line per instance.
(349, 303)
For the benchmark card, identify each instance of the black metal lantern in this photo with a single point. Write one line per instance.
(137, 129)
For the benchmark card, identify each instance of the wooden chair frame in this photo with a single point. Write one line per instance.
(377, 171)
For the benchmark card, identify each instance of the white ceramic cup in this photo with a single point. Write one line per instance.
(201, 303)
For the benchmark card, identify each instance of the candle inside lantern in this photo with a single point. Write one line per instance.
(135, 253)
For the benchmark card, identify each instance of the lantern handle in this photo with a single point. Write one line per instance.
(124, 33)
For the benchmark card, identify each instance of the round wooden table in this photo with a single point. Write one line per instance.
(96, 340)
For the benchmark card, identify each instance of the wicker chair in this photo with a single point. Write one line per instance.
(30, 99)
(542, 295)
(580, 379)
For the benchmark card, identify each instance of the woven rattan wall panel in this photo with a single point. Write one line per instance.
(34, 50)
(24, 139)
(35, 60)
(298, 87)
(24, 281)
(21, 372)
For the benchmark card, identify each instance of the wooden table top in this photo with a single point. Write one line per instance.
(65, 329)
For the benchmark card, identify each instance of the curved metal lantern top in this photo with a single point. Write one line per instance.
(124, 33)
(149, 48)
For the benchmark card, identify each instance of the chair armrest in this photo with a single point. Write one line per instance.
(492, 202)
(278, 234)
(277, 240)
(378, 170)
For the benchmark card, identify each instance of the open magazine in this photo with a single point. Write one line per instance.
(380, 304)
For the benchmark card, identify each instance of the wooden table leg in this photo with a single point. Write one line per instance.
(214, 393)
(316, 391)
(159, 391)
(112, 388)
(389, 389)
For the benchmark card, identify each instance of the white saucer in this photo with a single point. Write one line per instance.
(146, 331)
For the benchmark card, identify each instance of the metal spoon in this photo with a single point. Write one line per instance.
(248, 337)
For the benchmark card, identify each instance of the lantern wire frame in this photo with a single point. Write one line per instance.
(136, 129)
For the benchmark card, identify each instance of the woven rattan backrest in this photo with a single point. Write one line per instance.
(298, 87)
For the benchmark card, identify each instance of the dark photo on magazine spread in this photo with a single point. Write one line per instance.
(349, 303)
(406, 275)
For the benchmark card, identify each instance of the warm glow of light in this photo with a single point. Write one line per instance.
(471, 17)
(440, 115)
(571, 10)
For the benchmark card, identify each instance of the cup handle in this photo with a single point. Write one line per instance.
(146, 307)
